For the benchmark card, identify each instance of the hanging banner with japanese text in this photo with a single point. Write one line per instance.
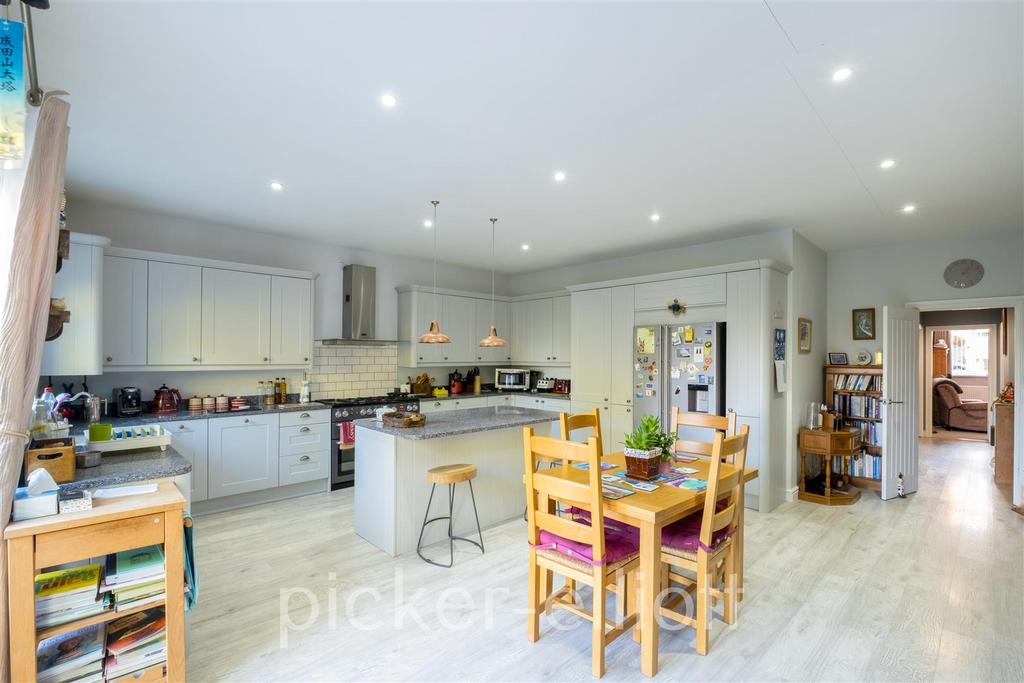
(12, 94)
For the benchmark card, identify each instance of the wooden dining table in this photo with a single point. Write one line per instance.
(650, 511)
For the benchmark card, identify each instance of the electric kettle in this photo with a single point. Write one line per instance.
(165, 401)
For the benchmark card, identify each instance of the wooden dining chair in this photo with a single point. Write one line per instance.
(724, 424)
(583, 551)
(592, 420)
(704, 543)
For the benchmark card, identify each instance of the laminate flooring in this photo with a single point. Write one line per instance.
(926, 588)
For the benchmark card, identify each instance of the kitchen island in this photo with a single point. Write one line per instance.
(391, 488)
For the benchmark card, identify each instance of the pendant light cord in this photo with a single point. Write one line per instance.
(437, 312)
(493, 221)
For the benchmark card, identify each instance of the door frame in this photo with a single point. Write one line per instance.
(1017, 304)
(993, 371)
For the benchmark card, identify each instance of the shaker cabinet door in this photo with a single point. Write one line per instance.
(591, 345)
(236, 318)
(125, 281)
(291, 322)
(243, 454)
(561, 325)
(190, 438)
(175, 314)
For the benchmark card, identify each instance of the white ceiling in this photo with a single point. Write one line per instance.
(703, 112)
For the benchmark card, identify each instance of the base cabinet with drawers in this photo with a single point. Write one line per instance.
(305, 447)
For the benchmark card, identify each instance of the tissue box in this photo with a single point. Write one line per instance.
(30, 507)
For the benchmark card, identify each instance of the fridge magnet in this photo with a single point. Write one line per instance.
(698, 353)
(803, 335)
(707, 344)
(637, 366)
(654, 372)
(702, 379)
(691, 369)
(688, 334)
(684, 352)
(708, 331)
(711, 379)
(675, 373)
(676, 339)
(863, 323)
(648, 392)
(640, 394)
(645, 340)
(779, 348)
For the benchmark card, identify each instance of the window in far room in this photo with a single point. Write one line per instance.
(968, 353)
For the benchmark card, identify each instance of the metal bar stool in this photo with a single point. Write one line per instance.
(450, 475)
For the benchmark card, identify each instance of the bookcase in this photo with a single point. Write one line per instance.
(112, 525)
(855, 393)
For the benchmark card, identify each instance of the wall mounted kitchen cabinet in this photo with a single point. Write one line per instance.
(175, 314)
(125, 283)
(181, 313)
(499, 355)
(78, 350)
(540, 331)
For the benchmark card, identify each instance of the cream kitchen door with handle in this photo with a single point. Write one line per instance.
(899, 399)
(175, 314)
(291, 320)
(236, 317)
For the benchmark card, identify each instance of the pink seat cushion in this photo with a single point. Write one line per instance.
(685, 533)
(581, 515)
(618, 545)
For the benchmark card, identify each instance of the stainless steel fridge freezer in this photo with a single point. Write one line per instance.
(679, 365)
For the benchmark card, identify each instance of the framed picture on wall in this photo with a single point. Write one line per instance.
(863, 323)
(803, 335)
(838, 358)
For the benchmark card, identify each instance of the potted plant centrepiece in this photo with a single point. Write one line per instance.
(644, 448)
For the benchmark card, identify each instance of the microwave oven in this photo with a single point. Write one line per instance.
(511, 379)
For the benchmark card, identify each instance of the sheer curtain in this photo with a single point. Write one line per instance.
(28, 219)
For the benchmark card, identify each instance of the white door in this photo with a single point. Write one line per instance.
(459, 316)
(620, 424)
(124, 311)
(521, 332)
(189, 437)
(175, 314)
(541, 312)
(236, 318)
(899, 399)
(291, 322)
(591, 345)
(561, 325)
(243, 454)
(621, 349)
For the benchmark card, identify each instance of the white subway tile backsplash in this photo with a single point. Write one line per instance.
(350, 371)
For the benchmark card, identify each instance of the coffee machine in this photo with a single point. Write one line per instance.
(127, 401)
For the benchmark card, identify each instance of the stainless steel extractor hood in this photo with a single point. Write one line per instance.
(359, 307)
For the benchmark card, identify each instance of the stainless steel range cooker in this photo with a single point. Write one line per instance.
(343, 433)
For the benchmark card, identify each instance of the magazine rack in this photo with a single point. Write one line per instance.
(112, 525)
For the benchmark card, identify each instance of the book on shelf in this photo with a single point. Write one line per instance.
(136, 641)
(853, 382)
(73, 656)
(64, 595)
(852, 406)
(138, 565)
(863, 465)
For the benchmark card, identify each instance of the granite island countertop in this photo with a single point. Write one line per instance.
(457, 422)
(181, 415)
(125, 467)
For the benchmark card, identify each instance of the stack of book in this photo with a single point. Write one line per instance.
(135, 577)
(136, 641)
(65, 595)
(75, 656)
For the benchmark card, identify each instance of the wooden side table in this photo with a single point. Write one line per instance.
(827, 445)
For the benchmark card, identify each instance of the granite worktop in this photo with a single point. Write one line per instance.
(485, 394)
(150, 418)
(132, 466)
(458, 422)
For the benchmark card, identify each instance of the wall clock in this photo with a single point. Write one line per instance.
(964, 273)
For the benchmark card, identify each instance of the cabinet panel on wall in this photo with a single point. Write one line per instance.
(236, 318)
(701, 290)
(621, 362)
(291, 320)
(190, 438)
(427, 307)
(743, 329)
(495, 354)
(541, 342)
(561, 324)
(243, 454)
(591, 345)
(604, 410)
(459, 316)
(80, 282)
(521, 332)
(620, 423)
(125, 285)
(175, 314)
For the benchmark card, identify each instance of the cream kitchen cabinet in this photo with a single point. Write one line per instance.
(561, 329)
(501, 400)
(291, 319)
(495, 354)
(540, 331)
(243, 454)
(621, 361)
(428, 406)
(236, 317)
(605, 411)
(190, 438)
(558, 405)
(77, 351)
(459, 315)
(591, 345)
(620, 423)
(125, 306)
(175, 314)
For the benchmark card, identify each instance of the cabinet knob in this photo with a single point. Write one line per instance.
(181, 426)
(304, 458)
(604, 399)
(246, 420)
(110, 358)
(195, 359)
(421, 357)
(554, 357)
(304, 415)
(156, 520)
(446, 357)
(479, 357)
(266, 360)
(304, 429)
(437, 404)
(305, 360)
(627, 410)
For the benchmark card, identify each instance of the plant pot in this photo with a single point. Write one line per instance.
(665, 467)
(642, 464)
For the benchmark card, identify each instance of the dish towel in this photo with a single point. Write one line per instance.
(191, 575)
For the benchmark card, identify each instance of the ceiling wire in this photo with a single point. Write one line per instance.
(821, 119)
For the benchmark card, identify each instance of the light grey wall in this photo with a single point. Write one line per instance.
(135, 229)
(774, 244)
(808, 289)
(895, 274)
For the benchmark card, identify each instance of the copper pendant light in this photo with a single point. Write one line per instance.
(435, 335)
(492, 340)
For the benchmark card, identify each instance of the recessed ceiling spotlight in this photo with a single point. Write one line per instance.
(909, 208)
(276, 186)
(526, 247)
(559, 176)
(887, 164)
(428, 223)
(388, 101)
(655, 217)
(842, 74)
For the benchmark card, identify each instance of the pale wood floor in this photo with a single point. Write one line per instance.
(928, 588)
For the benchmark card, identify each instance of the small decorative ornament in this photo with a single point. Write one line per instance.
(676, 307)
(900, 490)
(863, 357)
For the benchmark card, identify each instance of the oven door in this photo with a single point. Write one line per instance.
(511, 379)
(343, 460)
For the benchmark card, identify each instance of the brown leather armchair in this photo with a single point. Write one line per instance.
(953, 412)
